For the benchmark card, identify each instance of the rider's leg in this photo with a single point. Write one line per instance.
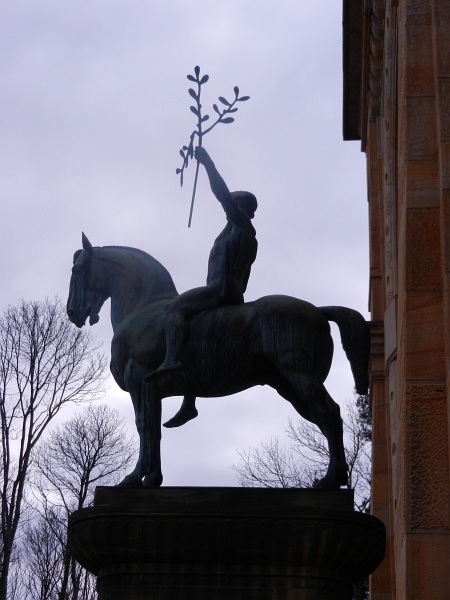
(178, 314)
(187, 412)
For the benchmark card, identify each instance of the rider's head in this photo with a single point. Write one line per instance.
(246, 201)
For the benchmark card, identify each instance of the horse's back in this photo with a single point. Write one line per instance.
(286, 331)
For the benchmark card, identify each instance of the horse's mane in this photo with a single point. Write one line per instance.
(133, 251)
(146, 260)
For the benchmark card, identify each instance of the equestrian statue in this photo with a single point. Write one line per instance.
(207, 342)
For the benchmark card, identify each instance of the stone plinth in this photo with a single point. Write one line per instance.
(225, 543)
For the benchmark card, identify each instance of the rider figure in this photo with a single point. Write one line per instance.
(229, 265)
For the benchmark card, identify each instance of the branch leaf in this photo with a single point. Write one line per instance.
(187, 152)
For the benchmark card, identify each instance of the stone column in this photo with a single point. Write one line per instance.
(421, 490)
(225, 543)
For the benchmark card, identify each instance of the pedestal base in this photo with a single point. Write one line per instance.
(225, 543)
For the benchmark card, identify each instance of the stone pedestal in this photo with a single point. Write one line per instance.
(225, 543)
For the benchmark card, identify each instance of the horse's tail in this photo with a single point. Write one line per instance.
(355, 337)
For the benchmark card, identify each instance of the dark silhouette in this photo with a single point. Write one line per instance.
(277, 340)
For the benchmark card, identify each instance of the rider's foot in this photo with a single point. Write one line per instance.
(164, 369)
(183, 416)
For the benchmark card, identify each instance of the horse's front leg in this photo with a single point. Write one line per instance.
(147, 409)
(134, 479)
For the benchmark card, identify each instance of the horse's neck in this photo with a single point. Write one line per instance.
(122, 307)
(135, 285)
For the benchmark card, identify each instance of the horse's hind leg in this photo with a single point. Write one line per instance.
(153, 474)
(314, 403)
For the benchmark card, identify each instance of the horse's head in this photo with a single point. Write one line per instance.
(88, 286)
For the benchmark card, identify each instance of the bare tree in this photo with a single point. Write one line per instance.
(41, 558)
(16, 590)
(45, 363)
(91, 448)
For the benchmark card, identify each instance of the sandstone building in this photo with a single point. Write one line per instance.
(397, 102)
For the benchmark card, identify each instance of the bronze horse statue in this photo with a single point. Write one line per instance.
(277, 340)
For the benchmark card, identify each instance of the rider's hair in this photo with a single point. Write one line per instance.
(248, 199)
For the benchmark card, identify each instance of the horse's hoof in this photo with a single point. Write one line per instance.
(326, 483)
(130, 481)
(153, 480)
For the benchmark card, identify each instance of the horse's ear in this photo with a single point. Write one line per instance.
(76, 255)
(87, 246)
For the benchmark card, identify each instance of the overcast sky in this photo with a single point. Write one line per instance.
(93, 111)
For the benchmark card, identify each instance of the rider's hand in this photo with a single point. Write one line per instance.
(201, 155)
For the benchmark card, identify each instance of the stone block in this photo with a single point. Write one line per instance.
(379, 425)
(422, 299)
(446, 229)
(422, 183)
(424, 342)
(428, 457)
(380, 490)
(421, 127)
(423, 265)
(380, 510)
(376, 304)
(444, 108)
(445, 165)
(417, 7)
(419, 76)
(379, 458)
(390, 322)
(375, 227)
(442, 21)
(428, 567)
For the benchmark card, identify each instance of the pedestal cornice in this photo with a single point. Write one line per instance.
(219, 541)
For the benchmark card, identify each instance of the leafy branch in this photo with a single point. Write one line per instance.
(187, 152)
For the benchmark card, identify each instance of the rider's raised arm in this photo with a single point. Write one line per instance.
(219, 187)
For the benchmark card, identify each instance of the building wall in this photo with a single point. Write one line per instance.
(406, 137)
